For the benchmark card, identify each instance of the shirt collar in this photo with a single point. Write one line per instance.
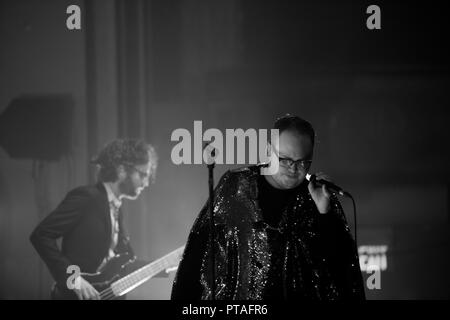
(111, 196)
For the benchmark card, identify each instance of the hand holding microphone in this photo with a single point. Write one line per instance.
(319, 192)
(319, 187)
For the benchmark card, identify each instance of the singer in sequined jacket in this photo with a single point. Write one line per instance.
(319, 258)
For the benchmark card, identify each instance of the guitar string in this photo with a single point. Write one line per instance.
(105, 293)
(133, 278)
(111, 297)
(105, 297)
(108, 293)
(108, 296)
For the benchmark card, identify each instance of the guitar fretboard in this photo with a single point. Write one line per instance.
(141, 275)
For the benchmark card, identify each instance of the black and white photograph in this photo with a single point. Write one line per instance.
(258, 151)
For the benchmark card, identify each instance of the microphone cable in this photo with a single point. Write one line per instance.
(354, 218)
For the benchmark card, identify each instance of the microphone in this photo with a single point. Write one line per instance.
(262, 165)
(330, 186)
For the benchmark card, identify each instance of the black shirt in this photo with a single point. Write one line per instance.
(273, 203)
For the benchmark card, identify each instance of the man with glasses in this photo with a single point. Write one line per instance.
(89, 219)
(276, 236)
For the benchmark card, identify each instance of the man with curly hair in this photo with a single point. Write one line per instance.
(89, 220)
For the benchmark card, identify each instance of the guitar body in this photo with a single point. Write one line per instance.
(116, 268)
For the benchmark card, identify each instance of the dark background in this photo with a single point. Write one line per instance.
(378, 100)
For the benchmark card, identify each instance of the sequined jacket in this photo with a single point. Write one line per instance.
(320, 261)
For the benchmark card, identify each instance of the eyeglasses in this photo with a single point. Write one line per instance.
(297, 163)
(288, 162)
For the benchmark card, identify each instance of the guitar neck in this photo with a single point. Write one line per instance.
(145, 273)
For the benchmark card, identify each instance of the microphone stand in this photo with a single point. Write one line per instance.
(211, 225)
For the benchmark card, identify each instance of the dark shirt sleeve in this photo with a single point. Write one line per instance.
(56, 225)
(330, 233)
(332, 244)
(337, 246)
(187, 284)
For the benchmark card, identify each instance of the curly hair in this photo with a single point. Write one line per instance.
(124, 152)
